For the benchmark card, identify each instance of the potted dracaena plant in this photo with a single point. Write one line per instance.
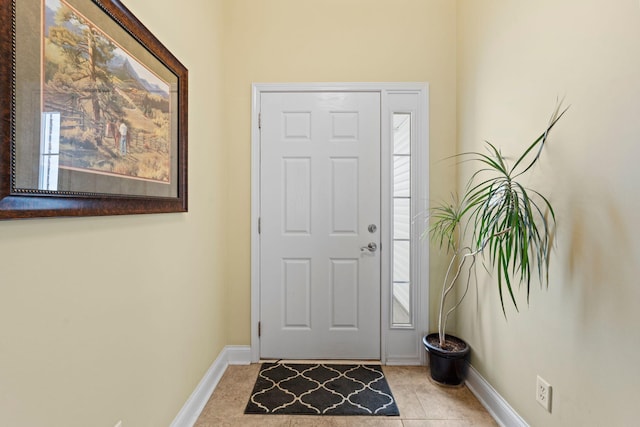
(499, 216)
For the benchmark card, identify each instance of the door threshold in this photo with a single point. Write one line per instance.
(324, 361)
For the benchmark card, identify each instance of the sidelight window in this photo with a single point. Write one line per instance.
(401, 307)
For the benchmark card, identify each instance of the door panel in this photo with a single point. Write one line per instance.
(320, 190)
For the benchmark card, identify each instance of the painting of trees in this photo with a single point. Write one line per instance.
(115, 113)
(87, 54)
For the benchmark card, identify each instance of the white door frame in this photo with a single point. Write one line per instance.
(399, 345)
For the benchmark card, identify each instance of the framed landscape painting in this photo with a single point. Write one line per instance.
(94, 113)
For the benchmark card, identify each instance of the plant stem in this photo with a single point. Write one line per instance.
(442, 317)
(446, 289)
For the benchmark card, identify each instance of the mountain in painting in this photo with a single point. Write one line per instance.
(122, 68)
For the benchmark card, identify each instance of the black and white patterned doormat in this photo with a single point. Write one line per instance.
(321, 389)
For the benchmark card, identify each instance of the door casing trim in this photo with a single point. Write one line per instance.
(422, 292)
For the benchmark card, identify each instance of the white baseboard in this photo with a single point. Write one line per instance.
(230, 355)
(403, 361)
(238, 354)
(499, 409)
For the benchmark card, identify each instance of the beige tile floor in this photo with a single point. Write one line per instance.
(421, 404)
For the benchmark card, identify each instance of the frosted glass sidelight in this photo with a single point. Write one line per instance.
(401, 298)
(401, 219)
(402, 176)
(401, 261)
(401, 302)
(401, 133)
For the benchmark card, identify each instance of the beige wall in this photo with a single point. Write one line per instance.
(581, 335)
(118, 318)
(327, 41)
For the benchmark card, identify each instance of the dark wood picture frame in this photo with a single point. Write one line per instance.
(19, 201)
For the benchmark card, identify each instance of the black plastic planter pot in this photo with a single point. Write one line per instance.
(448, 367)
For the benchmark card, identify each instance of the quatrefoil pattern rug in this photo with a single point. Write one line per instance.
(321, 389)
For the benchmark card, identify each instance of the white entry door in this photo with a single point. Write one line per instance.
(320, 225)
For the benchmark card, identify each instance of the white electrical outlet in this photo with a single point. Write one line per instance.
(543, 393)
